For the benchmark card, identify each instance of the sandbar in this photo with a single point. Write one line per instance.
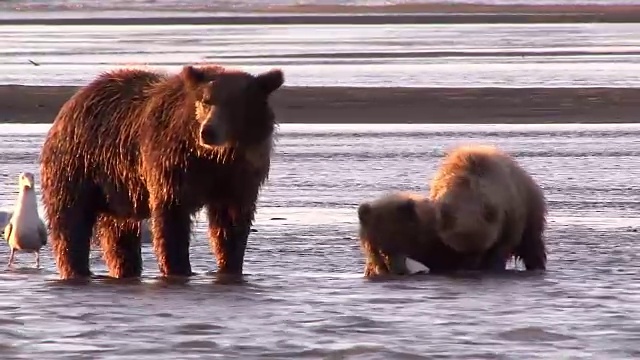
(361, 105)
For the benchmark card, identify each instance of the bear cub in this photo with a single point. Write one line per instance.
(489, 208)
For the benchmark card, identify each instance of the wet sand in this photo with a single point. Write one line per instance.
(386, 14)
(40, 104)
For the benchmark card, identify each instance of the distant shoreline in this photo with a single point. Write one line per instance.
(335, 105)
(436, 13)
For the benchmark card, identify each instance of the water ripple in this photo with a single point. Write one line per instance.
(415, 55)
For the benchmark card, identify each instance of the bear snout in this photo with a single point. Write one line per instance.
(468, 242)
(212, 135)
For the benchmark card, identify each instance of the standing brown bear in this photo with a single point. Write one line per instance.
(138, 144)
(489, 208)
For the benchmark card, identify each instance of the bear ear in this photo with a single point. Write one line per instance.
(407, 208)
(192, 76)
(270, 81)
(490, 213)
(364, 212)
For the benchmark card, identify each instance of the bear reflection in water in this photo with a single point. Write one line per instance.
(483, 209)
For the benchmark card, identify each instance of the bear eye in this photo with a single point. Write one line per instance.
(490, 214)
(447, 218)
(207, 93)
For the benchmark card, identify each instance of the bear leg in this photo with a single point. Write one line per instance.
(496, 258)
(532, 252)
(229, 230)
(171, 229)
(121, 249)
(532, 249)
(370, 269)
(374, 263)
(70, 231)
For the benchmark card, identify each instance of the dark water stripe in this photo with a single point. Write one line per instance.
(429, 54)
(356, 19)
(429, 153)
(533, 134)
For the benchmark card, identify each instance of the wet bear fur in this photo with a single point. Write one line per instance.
(137, 144)
(398, 225)
(489, 208)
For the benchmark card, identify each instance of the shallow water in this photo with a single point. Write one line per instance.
(305, 296)
(454, 55)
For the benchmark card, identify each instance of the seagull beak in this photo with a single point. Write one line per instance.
(27, 183)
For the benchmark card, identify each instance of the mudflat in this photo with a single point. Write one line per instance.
(40, 104)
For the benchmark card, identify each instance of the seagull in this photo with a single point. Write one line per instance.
(26, 232)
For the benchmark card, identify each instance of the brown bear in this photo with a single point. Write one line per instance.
(398, 236)
(489, 208)
(137, 144)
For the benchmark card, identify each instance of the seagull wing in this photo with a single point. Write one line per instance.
(42, 233)
(7, 231)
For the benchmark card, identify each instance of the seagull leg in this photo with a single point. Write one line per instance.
(11, 258)
(37, 259)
